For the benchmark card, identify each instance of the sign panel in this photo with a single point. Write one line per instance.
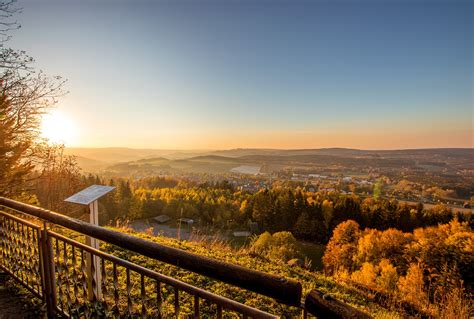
(90, 194)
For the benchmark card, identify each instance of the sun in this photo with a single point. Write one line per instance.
(56, 127)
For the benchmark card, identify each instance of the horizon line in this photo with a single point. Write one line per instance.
(268, 149)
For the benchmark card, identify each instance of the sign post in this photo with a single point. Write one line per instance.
(90, 197)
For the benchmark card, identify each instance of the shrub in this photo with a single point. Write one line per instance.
(284, 246)
(279, 246)
(261, 244)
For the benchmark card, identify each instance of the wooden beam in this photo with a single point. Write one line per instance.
(324, 306)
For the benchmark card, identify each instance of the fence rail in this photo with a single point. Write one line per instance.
(76, 280)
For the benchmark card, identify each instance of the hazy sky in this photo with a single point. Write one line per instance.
(280, 74)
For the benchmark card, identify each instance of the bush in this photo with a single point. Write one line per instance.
(284, 246)
(279, 246)
(261, 244)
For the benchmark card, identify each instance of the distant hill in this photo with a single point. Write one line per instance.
(121, 160)
(212, 158)
(90, 165)
(347, 152)
(112, 155)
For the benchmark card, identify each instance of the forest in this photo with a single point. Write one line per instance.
(308, 215)
(430, 268)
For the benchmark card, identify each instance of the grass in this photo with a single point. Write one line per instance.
(222, 251)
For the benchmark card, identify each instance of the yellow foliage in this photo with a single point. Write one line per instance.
(368, 247)
(388, 278)
(366, 275)
(279, 246)
(411, 286)
(455, 305)
(342, 246)
(262, 243)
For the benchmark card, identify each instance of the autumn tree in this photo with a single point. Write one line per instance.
(342, 247)
(412, 286)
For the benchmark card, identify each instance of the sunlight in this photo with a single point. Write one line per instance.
(58, 128)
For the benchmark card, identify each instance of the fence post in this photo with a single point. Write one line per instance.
(49, 279)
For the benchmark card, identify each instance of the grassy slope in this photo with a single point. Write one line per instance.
(308, 279)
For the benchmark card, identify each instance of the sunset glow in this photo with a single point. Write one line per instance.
(56, 127)
(192, 75)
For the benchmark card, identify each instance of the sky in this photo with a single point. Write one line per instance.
(385, 74)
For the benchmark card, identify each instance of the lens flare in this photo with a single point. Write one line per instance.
(56, 127)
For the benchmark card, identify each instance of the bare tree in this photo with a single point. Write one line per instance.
(26, 95)
(7, 23)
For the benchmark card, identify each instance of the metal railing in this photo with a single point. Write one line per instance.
(56, 269)
(60, 271)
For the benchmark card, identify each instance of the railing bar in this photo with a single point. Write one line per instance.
(116, 294)
(93, 279)
(59, 275)
(14, 245)
(21, 249)
(219, 312)
(40, 265)
(11, 246)
(23, 257)
(104, 285)
(75, 277)
(18, 251)
(196, 307)
(176, 302)
(159, 299)
(143, 295)
(84, 284)
(66, 277)
(49, 271)
(21, 252)
(22, 221)
(129, 293)
(29, 257)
